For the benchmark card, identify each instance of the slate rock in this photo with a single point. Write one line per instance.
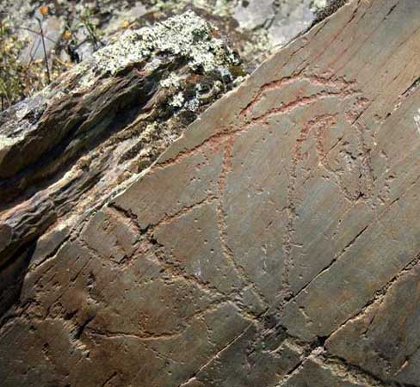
(275, 243)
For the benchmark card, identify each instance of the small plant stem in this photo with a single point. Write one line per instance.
(45, 50)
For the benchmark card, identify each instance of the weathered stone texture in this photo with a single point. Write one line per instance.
(65, 150)
(275, 243)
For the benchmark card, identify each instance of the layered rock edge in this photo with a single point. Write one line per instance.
(64, 151)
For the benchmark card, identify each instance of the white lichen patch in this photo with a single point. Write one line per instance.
(172, 80)
(186, 35)
(192, 105)
(6, 141)
(150, 131)
(178, 100)
(319, 4)
(417, 120)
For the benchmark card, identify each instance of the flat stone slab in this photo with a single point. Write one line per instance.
(276, 243)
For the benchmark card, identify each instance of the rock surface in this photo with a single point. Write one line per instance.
(250, 23)
(276, 243)
(66, 149)
(73, 30)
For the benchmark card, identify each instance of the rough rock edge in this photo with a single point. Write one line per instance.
(66, 148)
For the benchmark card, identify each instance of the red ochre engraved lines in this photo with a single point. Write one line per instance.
(343, 89)
(221, 220)
(340, 88)
(316, 127)
(224, 139)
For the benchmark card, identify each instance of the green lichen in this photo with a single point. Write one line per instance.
(186, 35)
(190, 67)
